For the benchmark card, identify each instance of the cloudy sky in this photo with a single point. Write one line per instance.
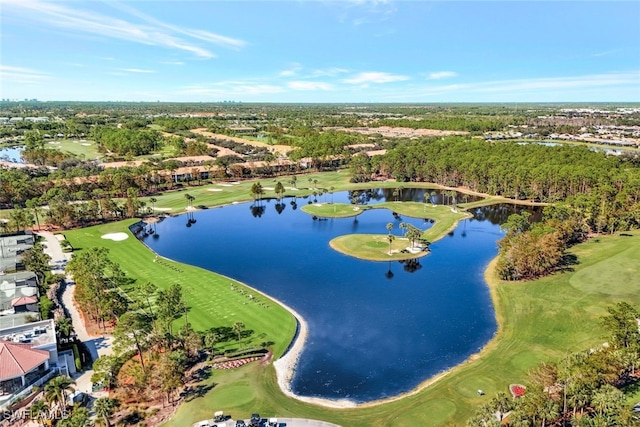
(321, 51)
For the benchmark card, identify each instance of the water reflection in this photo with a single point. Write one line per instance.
(375, 329)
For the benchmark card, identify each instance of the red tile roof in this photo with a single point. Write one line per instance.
(16, 302)
(18, 359)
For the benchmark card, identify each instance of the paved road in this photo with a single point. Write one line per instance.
(98, 346)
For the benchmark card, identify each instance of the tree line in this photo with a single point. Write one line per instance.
(583, 389)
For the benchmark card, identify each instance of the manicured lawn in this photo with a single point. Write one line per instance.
(540, 320)
(375, 247)
(209, 296)
(334, 210)
(84, 149)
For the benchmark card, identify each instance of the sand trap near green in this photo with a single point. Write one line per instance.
(116, 237)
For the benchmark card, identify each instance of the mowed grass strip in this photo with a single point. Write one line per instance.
(211, 300)
(540, 320)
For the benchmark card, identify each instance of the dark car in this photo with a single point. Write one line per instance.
(240, 423)
(255, 420)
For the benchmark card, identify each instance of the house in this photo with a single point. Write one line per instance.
(29, 357)
(11, 249)
(18, 298)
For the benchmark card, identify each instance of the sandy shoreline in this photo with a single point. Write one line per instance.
(286, 365)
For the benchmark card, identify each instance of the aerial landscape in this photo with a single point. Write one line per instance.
(319, 213)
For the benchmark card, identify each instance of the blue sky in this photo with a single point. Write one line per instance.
(321, 51)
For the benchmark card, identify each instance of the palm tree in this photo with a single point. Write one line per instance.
(38, 411)
(190, 200)
(331, 190)
(33, 204)
(105, 407)
(153, 201)
(389, 227)
(65, 326)
(211, 338)
(257, 191)
(238, 327)
(390, 237)
(293, 181)
(56, 390)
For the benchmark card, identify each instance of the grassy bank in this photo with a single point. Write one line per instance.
(540, 320)
(211, 300)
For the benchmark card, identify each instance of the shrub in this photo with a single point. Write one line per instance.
(76, 358)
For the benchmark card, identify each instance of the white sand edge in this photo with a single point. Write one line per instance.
(286, 366)
(116, 236)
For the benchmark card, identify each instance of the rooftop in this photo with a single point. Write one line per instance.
(36, 334)
(19, 359)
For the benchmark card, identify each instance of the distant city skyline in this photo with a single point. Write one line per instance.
(320, 51)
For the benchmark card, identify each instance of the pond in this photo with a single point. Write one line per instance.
(11, 154)
(376, 329)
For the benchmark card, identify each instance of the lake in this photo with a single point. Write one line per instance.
(376, 329)
(11, 154)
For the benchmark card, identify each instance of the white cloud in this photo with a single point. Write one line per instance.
(559, 83)
(21, 75)
(233, 89)
(137, 70)
(207, 36)
(375, 77)
(329, 72)
(294, 69)
(442, 75)
(172, 62)
(307, 85)
(534, 89)
(154, 33)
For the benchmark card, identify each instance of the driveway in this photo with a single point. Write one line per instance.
(97, 345)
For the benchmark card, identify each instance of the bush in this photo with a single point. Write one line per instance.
(76, 358)
(46, 307)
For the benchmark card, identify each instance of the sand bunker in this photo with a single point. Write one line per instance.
(86, 144)
(214, 189)
(115, 236)
(224, 185)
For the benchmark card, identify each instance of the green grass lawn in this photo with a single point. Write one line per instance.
(209, 296)
(84, 149)
(375, 247)
(334, 210)
(539, 320)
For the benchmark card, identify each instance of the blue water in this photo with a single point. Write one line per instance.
(11, 154)
(376, 329)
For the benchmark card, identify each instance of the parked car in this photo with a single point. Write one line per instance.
(255, 420)
(240, 423)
